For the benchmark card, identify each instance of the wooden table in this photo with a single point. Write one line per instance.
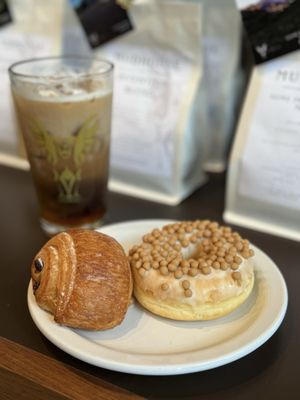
(33, 368)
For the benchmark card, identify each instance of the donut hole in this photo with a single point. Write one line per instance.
(193, 251)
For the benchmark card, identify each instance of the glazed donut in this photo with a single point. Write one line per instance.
(192, 270)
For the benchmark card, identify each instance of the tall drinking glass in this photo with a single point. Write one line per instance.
(63, 106)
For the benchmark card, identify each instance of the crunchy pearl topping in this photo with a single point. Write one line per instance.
(185, 284)
(188, 249)
(236, 275)
(188, 293)
(164, 286)
(178, 273)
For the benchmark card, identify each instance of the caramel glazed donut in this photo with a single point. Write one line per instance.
(192, 270)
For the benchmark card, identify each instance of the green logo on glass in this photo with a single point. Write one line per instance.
(66, 156)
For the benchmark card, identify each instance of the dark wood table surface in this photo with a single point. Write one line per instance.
(33, 368)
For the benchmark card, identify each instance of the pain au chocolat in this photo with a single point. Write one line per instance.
(83, 278)
(193, 270)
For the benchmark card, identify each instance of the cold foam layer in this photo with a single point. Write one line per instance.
(60, 90)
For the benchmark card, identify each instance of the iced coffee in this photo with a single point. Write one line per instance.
(64, 112)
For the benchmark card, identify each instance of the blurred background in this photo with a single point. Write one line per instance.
(181, 73)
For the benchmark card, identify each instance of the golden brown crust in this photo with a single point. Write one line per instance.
(85, 280)
(194, 270)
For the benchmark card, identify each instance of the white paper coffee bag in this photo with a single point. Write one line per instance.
(36, 30)
(157, 132)
(263, 185)
(222, 76)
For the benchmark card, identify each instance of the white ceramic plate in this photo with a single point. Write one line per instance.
(149, 345)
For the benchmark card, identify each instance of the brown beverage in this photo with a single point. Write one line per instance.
(67, 134)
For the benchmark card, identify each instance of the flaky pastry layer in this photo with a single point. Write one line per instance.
(84, 279)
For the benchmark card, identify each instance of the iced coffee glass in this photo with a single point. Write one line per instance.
(63, 106)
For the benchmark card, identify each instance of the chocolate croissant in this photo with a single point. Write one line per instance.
(83, 278)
